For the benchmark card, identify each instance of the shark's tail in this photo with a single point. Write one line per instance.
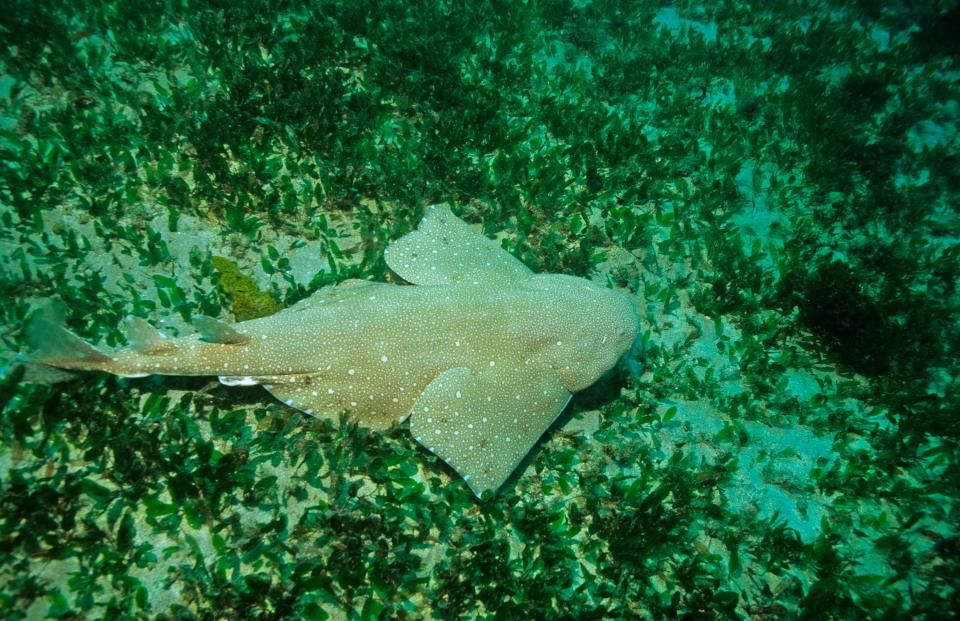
(54, 349)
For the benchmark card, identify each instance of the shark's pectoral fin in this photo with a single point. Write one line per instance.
(444, 250)
(484, 422)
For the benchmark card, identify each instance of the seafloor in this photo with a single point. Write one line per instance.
(776, 182)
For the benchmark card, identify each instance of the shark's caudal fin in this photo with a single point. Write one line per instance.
(50, 345)
(39, 373)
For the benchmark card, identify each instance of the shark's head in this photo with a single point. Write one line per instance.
(599, 325)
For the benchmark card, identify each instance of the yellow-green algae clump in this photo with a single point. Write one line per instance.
(245, 299)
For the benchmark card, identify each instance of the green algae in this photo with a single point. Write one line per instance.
(244, 298)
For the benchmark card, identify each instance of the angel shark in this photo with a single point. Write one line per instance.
(481, 355)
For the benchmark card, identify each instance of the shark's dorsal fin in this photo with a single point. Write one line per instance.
(146, 339)
(215, 331)
(444, 250)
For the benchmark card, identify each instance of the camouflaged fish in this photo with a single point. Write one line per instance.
(481, 355)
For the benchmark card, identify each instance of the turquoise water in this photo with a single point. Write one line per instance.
(773, 184)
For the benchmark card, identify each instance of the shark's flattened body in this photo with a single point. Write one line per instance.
(482, 355)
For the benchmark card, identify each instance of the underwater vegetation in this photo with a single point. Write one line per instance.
(244, 297)
(775, 182)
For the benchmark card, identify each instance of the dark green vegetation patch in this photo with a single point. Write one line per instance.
(247, 301)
